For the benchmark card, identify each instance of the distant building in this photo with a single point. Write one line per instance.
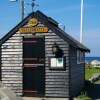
(95, 63)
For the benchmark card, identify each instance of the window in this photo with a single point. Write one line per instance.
(80, 56)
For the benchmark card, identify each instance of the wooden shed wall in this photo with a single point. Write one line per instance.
(77, 74)
(56, 81)
(11, 63)
(0, 61)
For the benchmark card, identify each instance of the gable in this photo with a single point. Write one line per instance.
(15, 29)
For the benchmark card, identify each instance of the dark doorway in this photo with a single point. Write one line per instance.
(34, 66)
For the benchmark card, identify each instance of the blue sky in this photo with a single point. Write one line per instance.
(66, 12)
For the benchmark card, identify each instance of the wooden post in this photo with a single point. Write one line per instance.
(22, 5)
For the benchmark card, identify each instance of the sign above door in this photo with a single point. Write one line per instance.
(33, 30)
(33, 22)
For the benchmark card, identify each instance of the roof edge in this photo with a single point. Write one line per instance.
(52, 24)
(12, 31)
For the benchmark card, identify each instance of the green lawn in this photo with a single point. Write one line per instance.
(90, 71)
(83, 97)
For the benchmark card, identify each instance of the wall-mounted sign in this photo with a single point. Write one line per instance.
(33, 22)
(60, 62)
(33, 29)
(53, 62)
(4, 46)
(56, 63)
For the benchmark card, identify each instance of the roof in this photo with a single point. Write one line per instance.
(52, 25)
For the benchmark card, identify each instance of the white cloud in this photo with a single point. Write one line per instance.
(62, 10)
(92, 34)
(91, 38)
(68, 9)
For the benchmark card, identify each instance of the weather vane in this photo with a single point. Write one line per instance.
(32, 4)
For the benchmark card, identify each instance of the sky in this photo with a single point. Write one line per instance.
(65, 12)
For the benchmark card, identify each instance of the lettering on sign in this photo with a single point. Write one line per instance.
(33, 22)
(33, 30)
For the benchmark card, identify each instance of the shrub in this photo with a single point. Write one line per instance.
(83, 93)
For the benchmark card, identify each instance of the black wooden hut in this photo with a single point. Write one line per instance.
(37, 58)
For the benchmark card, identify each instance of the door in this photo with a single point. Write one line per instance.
(33, 66)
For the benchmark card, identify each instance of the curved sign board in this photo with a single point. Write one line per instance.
(33, 22)
(33, 29)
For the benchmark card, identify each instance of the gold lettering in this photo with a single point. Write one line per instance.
(33, 29)
(33, 22)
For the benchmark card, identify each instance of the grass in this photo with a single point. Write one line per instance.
(83, 97)
(90, 71)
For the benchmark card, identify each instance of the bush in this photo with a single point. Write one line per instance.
(83, 93)
(97, 67)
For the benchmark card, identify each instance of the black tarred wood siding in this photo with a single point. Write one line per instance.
(77, 75)
(56, 81)
(0, 61)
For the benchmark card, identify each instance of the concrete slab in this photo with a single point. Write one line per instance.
(7, 94)
(32, 98)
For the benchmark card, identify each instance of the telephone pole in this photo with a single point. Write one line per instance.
(22, 7)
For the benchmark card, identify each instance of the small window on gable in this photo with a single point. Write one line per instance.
(80, 56)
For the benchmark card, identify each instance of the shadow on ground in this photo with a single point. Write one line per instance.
(94, 92)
